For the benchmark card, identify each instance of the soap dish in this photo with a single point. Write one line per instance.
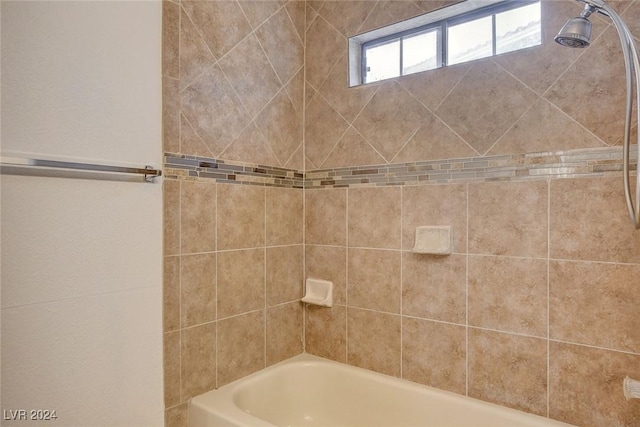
(436, 240)
(318, 292)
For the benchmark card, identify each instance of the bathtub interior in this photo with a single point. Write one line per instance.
(310, 391)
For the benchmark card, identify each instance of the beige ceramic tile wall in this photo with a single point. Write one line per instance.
(233, 89)
(508, 318)
(535, 309)
(234, 80)
(233, 283)
(486, 107)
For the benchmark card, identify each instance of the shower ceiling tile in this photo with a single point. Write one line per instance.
(592, 91)
(324, 128)
(281, 125)
(222, 23)
(347, 15)
(213, 109)
(433, 86)
(348, 101)
(259, 11)
(248, 70)
(390, 119)
(434, 140)
(485, 104)
(560, 132)
(195, 56)
(352, 150)
(551, 59)
(282, 44)
(324, 47)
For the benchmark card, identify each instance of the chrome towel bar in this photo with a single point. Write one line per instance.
(148, 172)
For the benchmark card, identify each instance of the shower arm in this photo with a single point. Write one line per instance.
(632, 63)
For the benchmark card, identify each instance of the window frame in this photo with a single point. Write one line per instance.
(442, 26)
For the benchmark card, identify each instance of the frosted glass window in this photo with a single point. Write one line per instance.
(481, 30)
(470, 40)
(382, 61)
(420, 52)
(518, 28)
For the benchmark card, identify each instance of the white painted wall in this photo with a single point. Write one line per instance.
(81, 260)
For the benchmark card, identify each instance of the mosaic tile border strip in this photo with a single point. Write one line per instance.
(178, 166)
(518, 167)
(560, 164)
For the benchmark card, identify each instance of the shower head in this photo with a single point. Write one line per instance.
(575, 33)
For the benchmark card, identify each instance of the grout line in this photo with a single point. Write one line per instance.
(304, 169)
(264, 296)
(548, 292)
(216, 292)
(466, 321)
(346, 287)
(401, 285)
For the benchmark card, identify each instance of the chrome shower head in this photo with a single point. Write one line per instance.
(575, 33)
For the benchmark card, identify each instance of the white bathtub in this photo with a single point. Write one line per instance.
(310, 391)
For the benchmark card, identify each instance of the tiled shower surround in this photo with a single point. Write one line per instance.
(277, 171)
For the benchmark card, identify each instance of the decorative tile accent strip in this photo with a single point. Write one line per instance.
(517, 167)
(559, 164)
(179, 166)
